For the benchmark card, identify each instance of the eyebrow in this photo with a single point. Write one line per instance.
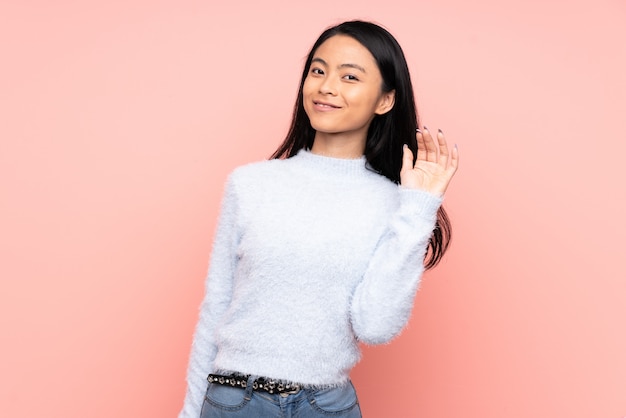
(348, 65)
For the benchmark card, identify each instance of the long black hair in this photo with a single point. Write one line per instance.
(387, 132)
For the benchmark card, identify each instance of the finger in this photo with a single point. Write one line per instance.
(444, 153)
(407, 158)
(431, 148)
(454, 160)
(421, 147)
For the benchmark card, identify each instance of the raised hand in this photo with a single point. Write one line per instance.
(434, 167)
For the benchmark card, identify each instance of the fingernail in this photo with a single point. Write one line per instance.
(440, 131)
(405, 146)
(418, 131)
(425, 128)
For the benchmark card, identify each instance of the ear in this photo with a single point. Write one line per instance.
(386, 102)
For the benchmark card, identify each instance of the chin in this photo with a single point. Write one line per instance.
(323, 127)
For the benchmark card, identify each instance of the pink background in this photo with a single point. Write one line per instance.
(119, 121)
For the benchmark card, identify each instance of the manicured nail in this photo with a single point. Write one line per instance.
(418, 131)
(425, 128)
(440, 131)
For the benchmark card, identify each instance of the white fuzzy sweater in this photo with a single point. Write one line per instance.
(312, 254)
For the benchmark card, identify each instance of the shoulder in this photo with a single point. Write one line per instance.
(251, 171)
(256, 174)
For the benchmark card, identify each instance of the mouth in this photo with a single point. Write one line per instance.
(324, 105)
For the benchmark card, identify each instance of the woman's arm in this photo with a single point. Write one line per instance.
(382, 302)
(219, 285)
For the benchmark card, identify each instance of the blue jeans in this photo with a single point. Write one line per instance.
(228, 402)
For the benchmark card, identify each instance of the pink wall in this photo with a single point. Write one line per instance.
(119, 121)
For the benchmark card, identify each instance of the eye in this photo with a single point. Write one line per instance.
(351, 77)
(317, 71)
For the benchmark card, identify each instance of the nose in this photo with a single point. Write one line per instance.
(327, 86)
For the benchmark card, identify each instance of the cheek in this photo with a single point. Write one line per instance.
(307, 87)
(306, 93)
(365, 100)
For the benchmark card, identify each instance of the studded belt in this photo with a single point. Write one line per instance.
(259, 384)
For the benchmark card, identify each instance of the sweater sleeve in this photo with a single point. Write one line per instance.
(383, 300)
(218, 292)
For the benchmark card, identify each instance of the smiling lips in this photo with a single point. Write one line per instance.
(323, 106)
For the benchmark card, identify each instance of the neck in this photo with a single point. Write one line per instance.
(341, 145)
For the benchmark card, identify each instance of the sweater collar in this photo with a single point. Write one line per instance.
(324, 165)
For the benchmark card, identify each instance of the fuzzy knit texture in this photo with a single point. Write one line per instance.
(312, 255)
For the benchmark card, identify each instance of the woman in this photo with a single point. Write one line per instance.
(323, 246)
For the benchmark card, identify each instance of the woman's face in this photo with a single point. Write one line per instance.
(343, 89)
